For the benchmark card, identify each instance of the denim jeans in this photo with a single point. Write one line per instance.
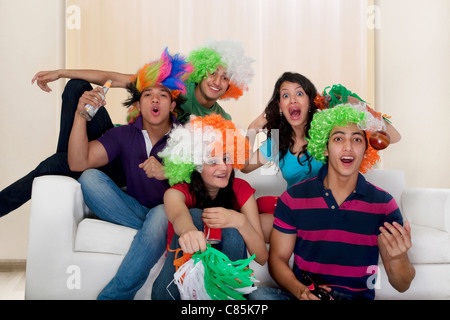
(232, 245)
(19, 192)
(110, 203)
(267, 293)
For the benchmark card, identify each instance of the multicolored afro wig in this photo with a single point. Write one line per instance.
(229, 55)
(340, 115)
(170, 71)
(338, 94)
(201, 141)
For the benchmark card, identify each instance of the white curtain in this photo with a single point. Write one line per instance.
(325, 40)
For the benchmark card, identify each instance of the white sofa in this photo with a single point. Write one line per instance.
(72, 255)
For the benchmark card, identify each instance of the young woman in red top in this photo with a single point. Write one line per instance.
(209, 196)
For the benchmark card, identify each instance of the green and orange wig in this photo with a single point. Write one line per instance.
(229, 55)
(340, 115)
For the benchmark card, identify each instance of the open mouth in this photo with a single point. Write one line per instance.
(155, 110)
(347, 160)
(295, 113)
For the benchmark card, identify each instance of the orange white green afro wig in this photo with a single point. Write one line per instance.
(172, 71)
(203, 140)
(340, 115)
(229, 55)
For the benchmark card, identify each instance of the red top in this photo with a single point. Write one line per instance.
(242, 191)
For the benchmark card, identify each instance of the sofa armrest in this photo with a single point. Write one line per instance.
(56, 209)
(56, 201)
(427, 207)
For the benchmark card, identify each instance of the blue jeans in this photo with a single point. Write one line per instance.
(110, 203)
(19, 192)
(267, 293)
(232, 245)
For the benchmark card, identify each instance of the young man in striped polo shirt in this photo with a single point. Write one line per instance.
(337, 223)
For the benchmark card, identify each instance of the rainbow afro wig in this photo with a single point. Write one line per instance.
(170, 71)
(229, 55)
(203, 140)
(340, 115)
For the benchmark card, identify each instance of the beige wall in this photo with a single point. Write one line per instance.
(412, 85)
(31, 39)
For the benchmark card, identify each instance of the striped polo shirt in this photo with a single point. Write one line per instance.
(336, 245)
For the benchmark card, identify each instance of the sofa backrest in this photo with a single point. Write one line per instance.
(392, 181)
(268, 181)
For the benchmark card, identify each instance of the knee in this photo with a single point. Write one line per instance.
(232, 233)
(77, 84)
(156, 222)
(196, 215)
(75, 88)
(55, 164)
(160, 217)
(233, 244)
(91, 178)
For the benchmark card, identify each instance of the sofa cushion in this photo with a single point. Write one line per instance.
(392, 181)
(429, 245)
(100, 236)
(427, 207)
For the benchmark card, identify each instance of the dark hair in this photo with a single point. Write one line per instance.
(225, 198)
(276, 121)
(135, 96)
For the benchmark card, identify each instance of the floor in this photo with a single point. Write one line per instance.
(12, 281)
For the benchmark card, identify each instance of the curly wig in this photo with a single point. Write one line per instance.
(340, 115)
(229, 55)
(190, 146)
(170, 71)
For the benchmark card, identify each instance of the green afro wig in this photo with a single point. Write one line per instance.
(341, 115)
(205, 61)
(229, 55)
